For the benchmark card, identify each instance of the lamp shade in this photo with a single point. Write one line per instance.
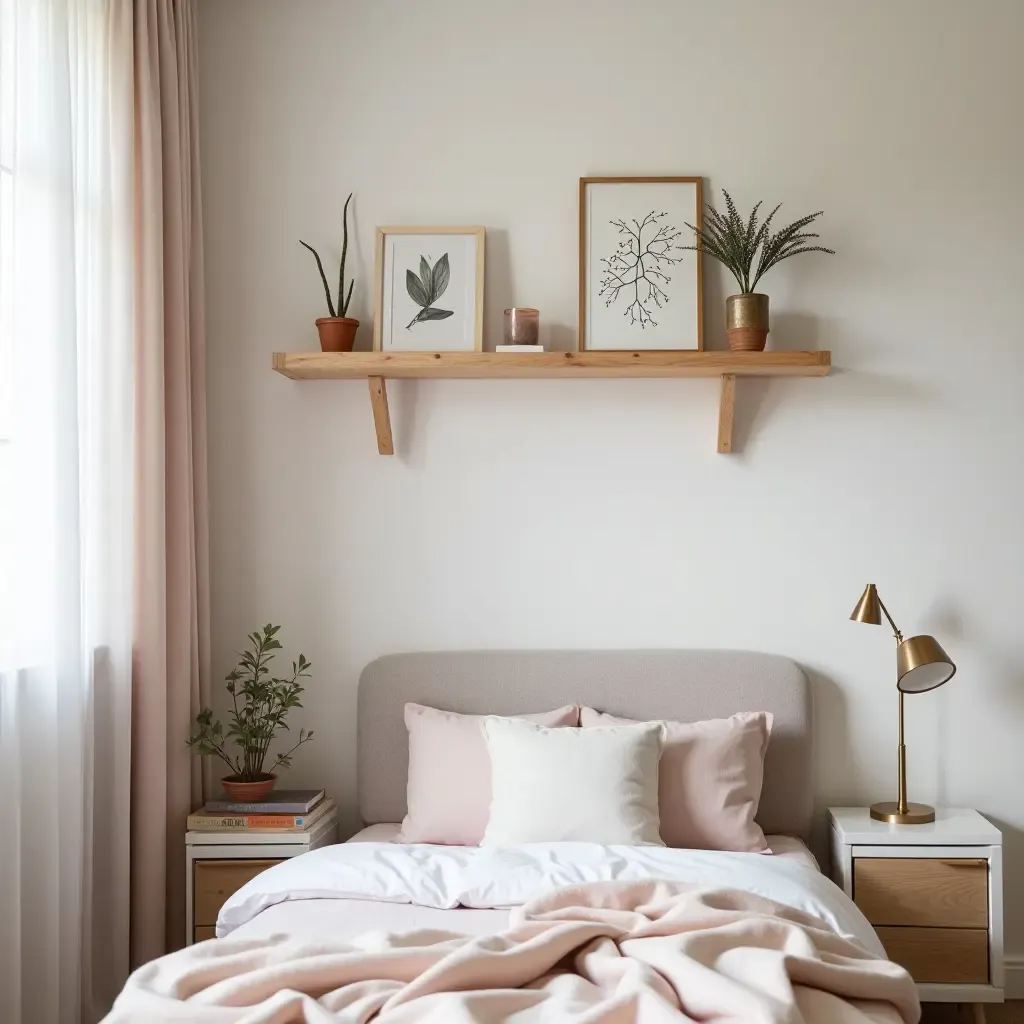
(922, 664)
(868, 609)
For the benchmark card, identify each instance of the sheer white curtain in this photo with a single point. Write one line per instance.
(66, 506)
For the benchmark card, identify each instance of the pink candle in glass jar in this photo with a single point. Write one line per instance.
(522, 326)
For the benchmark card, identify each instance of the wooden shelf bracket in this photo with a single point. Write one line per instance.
(381, 415)
(726, 408)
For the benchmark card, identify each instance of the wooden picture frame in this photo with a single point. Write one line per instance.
(674, 201)
(463, 284)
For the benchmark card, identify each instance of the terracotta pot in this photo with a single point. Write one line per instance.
(248, 792)
(337, 333)
(746, 322)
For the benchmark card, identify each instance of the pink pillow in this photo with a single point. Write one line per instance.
(709, 781)
(449, 794)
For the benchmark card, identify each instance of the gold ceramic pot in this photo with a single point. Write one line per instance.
(746, 322)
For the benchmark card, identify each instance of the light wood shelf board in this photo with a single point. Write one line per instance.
(565, 365)
(378, 367)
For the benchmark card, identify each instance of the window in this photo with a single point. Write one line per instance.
(6, 312)
(6, 217)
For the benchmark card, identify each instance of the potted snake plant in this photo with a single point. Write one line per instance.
(260, 704)
(736, 244)
(338, 330)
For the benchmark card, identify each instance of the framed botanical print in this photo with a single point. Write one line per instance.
(639, 287)
(429, 289)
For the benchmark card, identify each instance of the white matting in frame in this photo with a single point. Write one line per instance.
(429, 289)
(639, 289)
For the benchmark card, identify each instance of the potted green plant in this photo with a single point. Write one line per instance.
(737, 243)
(337, 331)
(260, 706)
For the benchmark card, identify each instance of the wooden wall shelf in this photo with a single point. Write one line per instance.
(377, 367)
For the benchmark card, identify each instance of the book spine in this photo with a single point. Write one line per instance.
(228, 824)
(200, 822)
(227, 808)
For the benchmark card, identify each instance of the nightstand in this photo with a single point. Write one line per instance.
(934, 894)
(217, 864)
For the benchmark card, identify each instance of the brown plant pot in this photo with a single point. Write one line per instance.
(746, 322)
(248, 792)
(337, 333)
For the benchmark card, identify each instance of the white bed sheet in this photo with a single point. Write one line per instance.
(788, 847)
(345, 919)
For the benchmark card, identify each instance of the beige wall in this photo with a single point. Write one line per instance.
(541, 514)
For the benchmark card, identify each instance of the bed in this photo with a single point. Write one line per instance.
(689, 685)
(420, 923)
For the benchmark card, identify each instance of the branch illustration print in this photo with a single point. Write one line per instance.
(427, 288)
(637, 270)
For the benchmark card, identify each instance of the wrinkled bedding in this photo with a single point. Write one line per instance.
(345, 919)
(607, 952)
(443, 878)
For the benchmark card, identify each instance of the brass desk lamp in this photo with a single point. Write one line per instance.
(921, 665)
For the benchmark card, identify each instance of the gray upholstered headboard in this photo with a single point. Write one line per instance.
(688, 685)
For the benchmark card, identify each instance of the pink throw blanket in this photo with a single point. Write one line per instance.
(603, 953)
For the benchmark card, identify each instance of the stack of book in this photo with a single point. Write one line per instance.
(285, 810)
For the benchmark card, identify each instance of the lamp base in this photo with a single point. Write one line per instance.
(915, 814)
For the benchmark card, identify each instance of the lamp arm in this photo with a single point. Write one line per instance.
(895, 630)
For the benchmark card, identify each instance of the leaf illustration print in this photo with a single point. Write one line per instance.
(427, 288)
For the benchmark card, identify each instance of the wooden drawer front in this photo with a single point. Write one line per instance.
(206, 931)
(215, 880)
(933, 893)
(956, 956)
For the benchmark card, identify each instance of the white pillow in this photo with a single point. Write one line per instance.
(565, 785)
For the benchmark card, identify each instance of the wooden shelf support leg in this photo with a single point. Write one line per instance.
(381, 416)
(726, 407)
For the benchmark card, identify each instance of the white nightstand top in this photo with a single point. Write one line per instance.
(953, 826)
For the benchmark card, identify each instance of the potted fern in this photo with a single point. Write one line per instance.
(260, 705)
(337, 331)
(737, 244)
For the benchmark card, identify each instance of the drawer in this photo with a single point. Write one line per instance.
(946, 893)
(215, 880)
(956, 956)
(206, 931)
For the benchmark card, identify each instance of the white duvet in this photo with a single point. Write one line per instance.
(446, 877)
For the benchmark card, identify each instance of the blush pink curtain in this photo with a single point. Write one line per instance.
(170, 679)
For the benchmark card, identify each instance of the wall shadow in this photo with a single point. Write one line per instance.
(499, 286)
(404, 396)
(1013, 884)
(360, 266)
(756, 398)
(558, 337)
(715, 282)
(834, 768)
